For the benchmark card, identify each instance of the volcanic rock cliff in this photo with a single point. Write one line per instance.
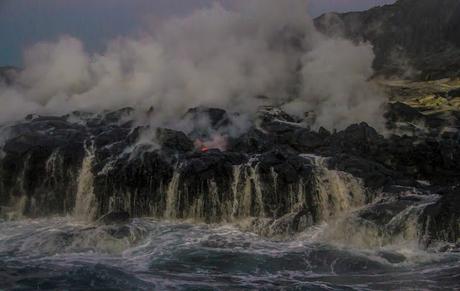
(412, 38)
(276, 175)
(282, 175)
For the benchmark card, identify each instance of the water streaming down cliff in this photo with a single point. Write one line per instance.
(251, 194)
(85, 201)
(39, 183)
(251, 190)
(272, 194)
(172, 196)
(337, 191)
(220, 219)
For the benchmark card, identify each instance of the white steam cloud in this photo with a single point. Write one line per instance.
(214, 57)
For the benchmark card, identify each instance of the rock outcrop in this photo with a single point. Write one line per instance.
(279, 174)
(275, 175)
(411, 38)
(441, 220)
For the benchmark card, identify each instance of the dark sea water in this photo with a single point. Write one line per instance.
(60, 254)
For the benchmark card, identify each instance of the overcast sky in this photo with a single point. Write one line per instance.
(24, 22)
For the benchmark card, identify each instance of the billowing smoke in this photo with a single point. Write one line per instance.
(217, 57)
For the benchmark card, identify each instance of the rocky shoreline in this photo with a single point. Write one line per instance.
(280, 174)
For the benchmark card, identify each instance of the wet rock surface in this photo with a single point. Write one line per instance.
(279, 172)
(441, 220)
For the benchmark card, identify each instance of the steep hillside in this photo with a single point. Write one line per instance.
(412, 38)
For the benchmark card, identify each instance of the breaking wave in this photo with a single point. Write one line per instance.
(145, 254)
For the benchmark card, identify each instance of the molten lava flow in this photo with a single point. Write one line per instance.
(216, 141)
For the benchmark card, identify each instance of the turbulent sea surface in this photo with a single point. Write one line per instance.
(146, 254)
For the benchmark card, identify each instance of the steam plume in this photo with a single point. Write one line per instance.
(213, 57)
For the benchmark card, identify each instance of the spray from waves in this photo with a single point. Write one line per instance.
(368, 228)
(215, 56)
(147, 254)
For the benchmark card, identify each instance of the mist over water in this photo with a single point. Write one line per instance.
(215, 56)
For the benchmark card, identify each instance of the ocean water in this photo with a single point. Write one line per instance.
(146, 254)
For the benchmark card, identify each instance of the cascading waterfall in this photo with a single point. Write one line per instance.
(261, 196)
(53, 166)
(235, 184)
(247, 192)
(274, 217)
(216, 204)
(265, 197)
(251, 195)
(255, 178)
(208, 203)
(85, 204)
(337, 191)
(18, 199)
(172, 194)
(328, 194)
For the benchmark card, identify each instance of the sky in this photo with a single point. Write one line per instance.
(25, 22)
